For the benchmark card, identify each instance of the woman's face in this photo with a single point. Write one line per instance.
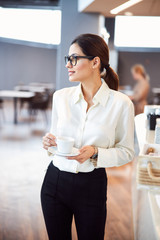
(84, 67)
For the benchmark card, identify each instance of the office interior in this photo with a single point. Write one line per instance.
(39, 70)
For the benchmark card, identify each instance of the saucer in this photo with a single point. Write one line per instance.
(53, 150)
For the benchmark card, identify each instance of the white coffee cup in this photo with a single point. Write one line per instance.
(64, 144)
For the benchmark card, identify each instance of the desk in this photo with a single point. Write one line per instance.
(15, 95)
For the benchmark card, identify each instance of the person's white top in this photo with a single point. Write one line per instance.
(108, 124)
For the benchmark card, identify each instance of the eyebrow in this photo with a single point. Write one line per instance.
(74, 54)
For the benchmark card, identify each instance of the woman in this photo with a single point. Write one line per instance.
(141, 88)
(101, 120)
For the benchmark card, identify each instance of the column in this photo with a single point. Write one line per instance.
(73, 24)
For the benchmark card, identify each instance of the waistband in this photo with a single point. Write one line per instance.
(95, 172)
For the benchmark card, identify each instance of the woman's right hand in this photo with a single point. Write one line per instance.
(49, 140)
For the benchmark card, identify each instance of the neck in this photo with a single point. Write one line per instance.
(90, 87)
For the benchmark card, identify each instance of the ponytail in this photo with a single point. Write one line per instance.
(111, 78)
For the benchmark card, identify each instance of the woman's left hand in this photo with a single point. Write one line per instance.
(84, 154)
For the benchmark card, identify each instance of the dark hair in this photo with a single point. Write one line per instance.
(94, 45)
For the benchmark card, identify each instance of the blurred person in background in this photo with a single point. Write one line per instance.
(141, 88)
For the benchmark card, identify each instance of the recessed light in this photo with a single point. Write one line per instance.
(128, 14)
(124, 6)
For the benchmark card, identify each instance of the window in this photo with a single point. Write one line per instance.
(31, 25)
(137, 32)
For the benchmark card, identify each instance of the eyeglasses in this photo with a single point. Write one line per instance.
(73, 59)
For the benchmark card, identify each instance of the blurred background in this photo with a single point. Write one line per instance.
(35, 35)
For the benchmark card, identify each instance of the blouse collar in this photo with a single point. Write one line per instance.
(100, 97)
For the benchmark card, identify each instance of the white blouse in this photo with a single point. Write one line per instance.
(108, 125)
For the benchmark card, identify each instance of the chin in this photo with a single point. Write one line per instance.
(72, 79)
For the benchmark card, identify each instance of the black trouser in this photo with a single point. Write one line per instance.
(83, 195)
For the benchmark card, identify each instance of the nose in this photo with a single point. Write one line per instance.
(68, 65)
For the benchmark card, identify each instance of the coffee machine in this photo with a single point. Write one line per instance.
(152, 112)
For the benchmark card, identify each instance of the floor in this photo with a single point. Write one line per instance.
(119, 220)
(23, 164)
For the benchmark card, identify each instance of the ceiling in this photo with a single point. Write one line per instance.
(144, 8)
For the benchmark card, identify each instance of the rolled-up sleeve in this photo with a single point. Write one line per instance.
(123, 150)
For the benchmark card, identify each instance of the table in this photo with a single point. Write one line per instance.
(29, 88)
(16, 95)
(47, 86)
(127, 92)
(146, 200)
(156, 90)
